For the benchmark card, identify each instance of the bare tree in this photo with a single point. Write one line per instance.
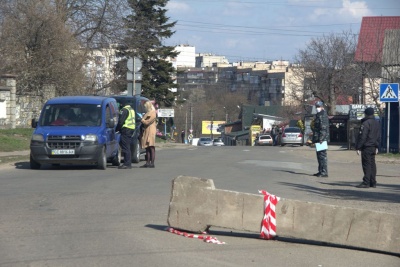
(47, 42)
(197, 105)
(327, 69)
(38, 47)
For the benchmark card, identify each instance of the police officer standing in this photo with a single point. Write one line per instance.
(368, 142)
(126, 125)
(321, 134)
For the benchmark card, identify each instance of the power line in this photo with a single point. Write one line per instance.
(280, 28)
(286, 3)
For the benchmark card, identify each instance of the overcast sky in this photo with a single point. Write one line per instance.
(266, 29)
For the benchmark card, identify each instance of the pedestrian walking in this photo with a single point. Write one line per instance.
(368, 142)
(321, 134)
(126, 126)
(183, 136)
(148, 139)
(274, 134)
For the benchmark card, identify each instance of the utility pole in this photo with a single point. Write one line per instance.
(226, 115)
(191, 118)
(185, 126)
(212, 124)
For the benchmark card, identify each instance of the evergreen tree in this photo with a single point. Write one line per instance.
(147, 28)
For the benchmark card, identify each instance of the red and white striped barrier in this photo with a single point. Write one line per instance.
(205, 238)
(268, 225)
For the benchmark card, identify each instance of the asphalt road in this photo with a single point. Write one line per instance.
(81, 216)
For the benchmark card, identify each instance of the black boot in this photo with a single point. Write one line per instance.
(362, 185)
(145, 165)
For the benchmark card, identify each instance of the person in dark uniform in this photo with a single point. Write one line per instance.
(274, 133)
(321, 134)
(183, 136)
(368, 142)
(126, 125)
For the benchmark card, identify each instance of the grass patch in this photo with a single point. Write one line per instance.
(160, 140)
(15, 139)
(390, 155)
(8, 159)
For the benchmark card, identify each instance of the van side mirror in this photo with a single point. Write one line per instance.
(34, 123)
(110, 123)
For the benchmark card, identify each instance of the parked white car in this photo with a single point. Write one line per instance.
(218, 142)
(264, 140)
(292, 135)
(205, 141)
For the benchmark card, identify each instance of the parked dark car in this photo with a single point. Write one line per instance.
(137, 103)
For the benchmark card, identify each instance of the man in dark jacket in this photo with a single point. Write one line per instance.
(321, 134)
(368, 142)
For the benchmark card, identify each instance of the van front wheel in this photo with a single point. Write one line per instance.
(102, 161)
(34, 164)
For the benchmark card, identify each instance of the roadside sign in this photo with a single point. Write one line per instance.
(162, 113)
(389, 92)
(134, 64)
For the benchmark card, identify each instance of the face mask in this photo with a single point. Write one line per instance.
(319, 109)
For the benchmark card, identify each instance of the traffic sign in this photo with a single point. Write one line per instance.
(166, 112)
(134, 64)
(389, 92)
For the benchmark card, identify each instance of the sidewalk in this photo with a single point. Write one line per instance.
(15, 153)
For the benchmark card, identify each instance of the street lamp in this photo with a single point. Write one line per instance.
(226, 115)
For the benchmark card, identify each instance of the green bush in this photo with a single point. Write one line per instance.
(15, 139)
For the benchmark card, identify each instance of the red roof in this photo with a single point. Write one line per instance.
(370, 39)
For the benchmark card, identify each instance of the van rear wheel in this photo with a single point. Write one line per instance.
(117, 158)
(102, 161)
(135, 152)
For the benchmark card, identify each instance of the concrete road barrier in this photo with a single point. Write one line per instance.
(197, 205)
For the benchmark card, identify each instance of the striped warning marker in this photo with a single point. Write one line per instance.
(268, 225)
(205, 238)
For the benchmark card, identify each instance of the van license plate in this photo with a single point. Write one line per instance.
(63, 152)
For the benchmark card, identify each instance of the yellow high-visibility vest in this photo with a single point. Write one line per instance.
(130, 120)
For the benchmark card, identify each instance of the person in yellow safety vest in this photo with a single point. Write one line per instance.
(126, 125)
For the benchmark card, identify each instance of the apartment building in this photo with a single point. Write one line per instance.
(210, 60)
(186, 57)
(99, 70)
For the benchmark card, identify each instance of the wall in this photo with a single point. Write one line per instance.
(19, 110)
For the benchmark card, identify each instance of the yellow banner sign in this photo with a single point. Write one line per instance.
(206, 127)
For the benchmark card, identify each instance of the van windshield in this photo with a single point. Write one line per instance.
(71, 115)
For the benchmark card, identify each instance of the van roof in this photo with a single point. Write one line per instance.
(78, 100)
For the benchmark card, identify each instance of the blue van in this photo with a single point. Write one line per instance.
(76, 130)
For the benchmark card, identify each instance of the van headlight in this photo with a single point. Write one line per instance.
(37, 138)
(89, 137)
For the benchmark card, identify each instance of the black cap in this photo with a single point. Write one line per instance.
(369, 111)
(123, 102)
